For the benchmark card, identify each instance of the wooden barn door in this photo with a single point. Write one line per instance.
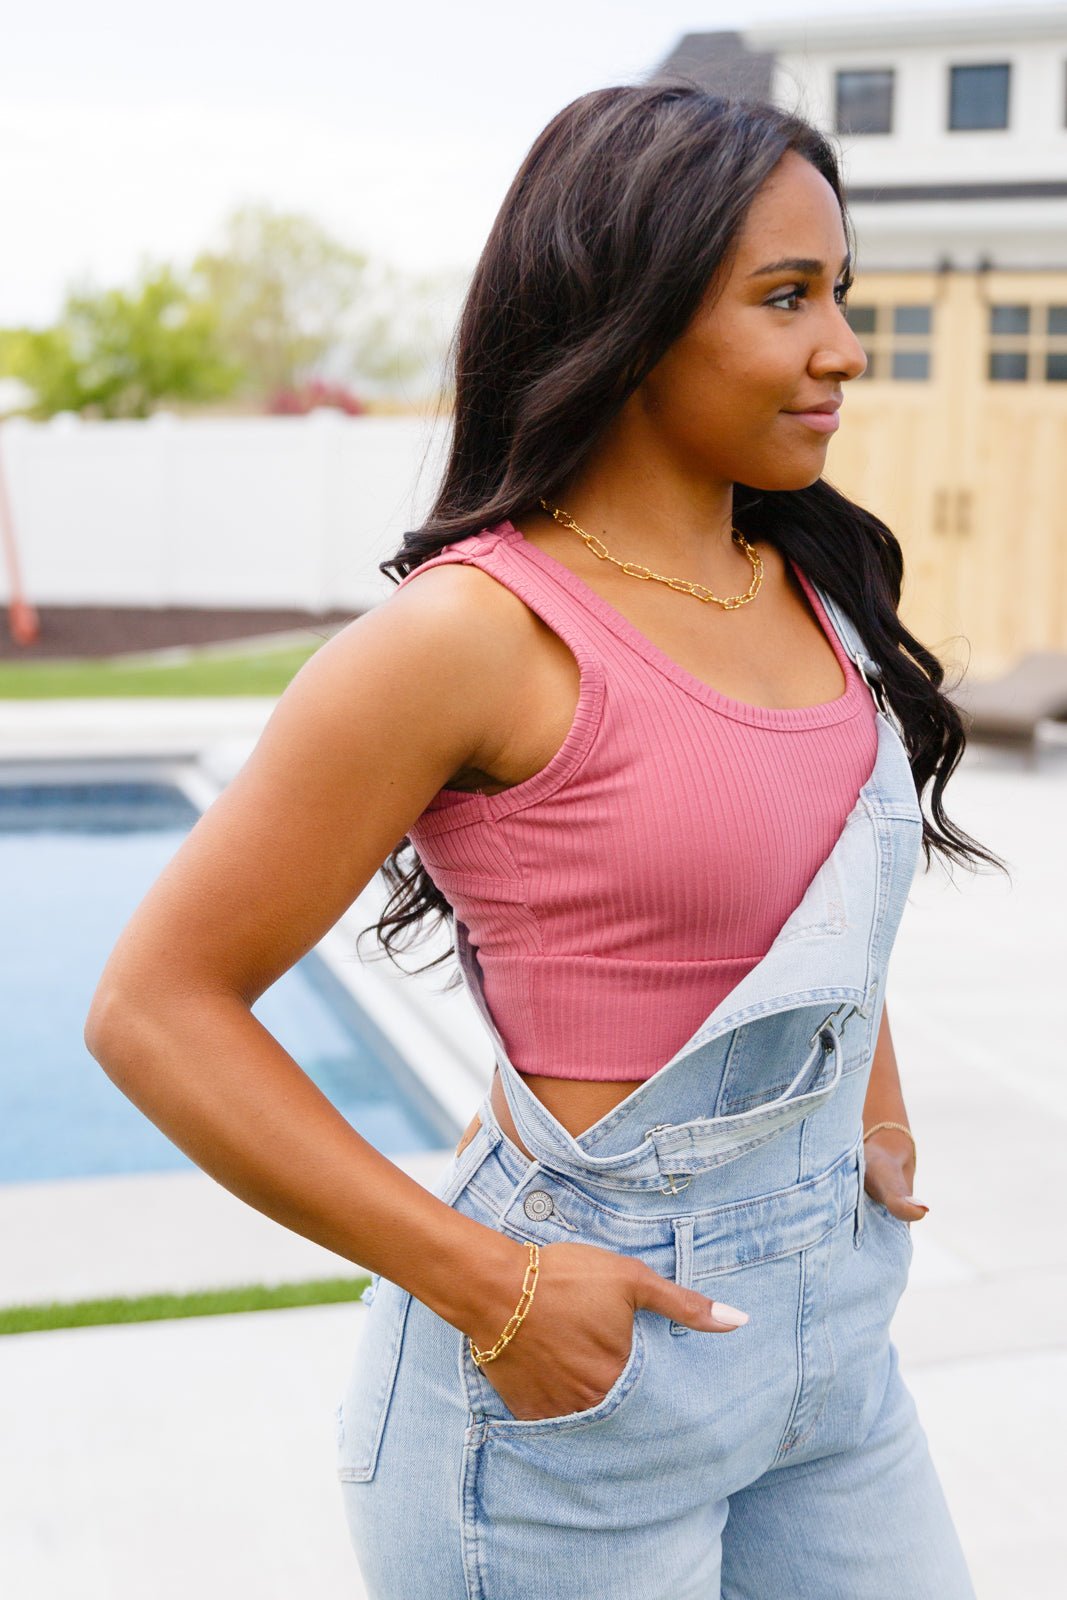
(956, 436)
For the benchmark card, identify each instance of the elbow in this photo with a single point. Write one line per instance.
(132, 1028)
(93, 1032)
(104, 1025)
(119, 1035)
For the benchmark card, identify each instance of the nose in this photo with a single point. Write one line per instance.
(842, 356)
(857, 356)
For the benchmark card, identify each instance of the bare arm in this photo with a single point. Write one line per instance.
(363, 737)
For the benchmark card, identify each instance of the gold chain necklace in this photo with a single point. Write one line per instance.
(686, 585)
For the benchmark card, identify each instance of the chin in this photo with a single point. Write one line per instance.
(782, 478)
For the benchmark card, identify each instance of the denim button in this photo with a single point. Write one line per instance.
(538, 1205)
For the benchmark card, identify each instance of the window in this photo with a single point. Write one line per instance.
(1007, 366)
(912, 319)
(1027, 343)
(1009, 319)
(978, 96)
(864, 102)
(861, 319)
(896, 340)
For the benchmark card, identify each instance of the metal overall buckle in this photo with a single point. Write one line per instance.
(874, 680)
(835, 1021)
(672, 1187)
(876, 685)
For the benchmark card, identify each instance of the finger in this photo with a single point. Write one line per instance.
(904, 1208)
(687, 1306)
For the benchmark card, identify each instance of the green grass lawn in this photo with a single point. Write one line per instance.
(262, 672)
(155, 1307)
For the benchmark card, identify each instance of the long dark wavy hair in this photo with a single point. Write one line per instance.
(627, 208)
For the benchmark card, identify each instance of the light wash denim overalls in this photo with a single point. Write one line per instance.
(782, 1461)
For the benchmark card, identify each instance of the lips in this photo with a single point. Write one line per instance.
(820, 421)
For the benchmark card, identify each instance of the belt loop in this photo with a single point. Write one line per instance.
(683, 1259)
(490, 1127)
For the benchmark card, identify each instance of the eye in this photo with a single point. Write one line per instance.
(800, 290)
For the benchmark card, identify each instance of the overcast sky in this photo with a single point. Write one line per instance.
(129, 131)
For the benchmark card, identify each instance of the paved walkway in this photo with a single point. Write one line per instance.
(197, 1457)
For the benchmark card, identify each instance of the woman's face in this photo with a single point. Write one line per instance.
(719, 401)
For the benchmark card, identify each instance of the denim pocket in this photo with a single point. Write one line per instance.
(488, 1406)
(363, 1410)
(892, 1243)
(896, 1223)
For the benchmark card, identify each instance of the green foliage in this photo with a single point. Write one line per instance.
(293, 302)
(116, 353)
(279, 303)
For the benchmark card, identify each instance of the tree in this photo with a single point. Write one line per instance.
(293, 303)
(280, 306)
(117, 352)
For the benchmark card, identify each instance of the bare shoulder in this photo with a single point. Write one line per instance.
(483, 642)
(451, 629)
(463, 604)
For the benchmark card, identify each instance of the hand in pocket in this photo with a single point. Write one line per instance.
(577, 1335)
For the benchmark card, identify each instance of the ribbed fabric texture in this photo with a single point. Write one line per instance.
(618, 895)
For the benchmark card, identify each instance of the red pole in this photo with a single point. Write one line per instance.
(21, 615)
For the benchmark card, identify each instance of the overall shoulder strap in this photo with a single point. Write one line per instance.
(848, 633)
(852, 642)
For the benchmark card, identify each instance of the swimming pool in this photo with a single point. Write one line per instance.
(76, 857)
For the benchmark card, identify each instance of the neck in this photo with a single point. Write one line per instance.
(651, 510)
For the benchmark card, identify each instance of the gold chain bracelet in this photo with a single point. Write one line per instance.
(514, 1322)
(903, 1129)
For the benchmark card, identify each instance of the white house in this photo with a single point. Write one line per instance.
(951, 127)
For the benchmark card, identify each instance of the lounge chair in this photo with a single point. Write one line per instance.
(1008, 710)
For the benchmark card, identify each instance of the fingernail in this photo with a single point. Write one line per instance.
(728, 1314)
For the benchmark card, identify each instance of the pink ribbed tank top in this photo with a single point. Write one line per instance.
(617, 896)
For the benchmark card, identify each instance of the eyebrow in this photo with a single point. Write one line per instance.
(797, 264)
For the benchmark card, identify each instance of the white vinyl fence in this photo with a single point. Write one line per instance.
(242, 511)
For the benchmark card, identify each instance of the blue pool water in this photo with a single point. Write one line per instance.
(75, 860)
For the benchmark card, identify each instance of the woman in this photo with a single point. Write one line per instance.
(675, 821)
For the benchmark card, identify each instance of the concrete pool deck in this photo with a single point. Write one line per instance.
(201, 1451)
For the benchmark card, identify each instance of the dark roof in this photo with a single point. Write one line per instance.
(721, 64)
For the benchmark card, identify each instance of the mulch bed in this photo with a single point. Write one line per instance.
(77, 632)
